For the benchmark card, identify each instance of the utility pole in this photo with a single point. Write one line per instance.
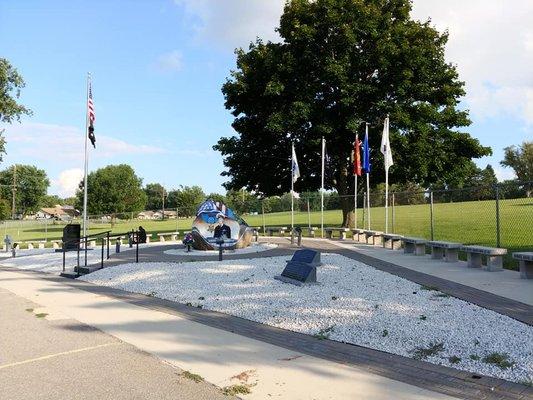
(14, 190)
(163, 198)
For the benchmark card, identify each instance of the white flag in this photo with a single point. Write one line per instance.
(295, 169)
(385, 145)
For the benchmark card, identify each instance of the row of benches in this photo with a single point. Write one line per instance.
(449, 251)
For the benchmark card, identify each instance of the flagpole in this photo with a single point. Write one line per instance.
(86, 166)
(387, 187)
(367, 187)
(322, 189)
(355, 184)
(292, 189)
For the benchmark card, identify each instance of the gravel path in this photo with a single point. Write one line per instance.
(354, 303)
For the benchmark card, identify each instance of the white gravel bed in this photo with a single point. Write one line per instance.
(354, 303)
(253, 248)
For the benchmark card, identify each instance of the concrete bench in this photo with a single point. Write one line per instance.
(373, 237)
(525, 260)
(474, 256)
(311, 230)
(392, 241)
(55, 244)
(359, 235)
(414, 245)
(448, 250)
(342, 232)
(276, 229)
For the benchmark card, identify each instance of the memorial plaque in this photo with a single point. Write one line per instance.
(71, 235)
(301, 269)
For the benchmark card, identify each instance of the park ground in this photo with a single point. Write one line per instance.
(472, 222)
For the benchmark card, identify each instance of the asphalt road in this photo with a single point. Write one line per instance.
(56, 357)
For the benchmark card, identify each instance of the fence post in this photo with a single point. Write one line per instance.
(497, 188)
(263, 212)
(392, 204)
(431, 215)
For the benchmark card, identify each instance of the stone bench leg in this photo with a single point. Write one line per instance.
(30, 246)
(387, 243)
(41, 245)
(147, 238)
(473, 260)
(361, 237)
(282, 232)
(329, 234)
(161, 238)
(55, 245)
(173, 238)
(526, 269)
(494, 263)
(376, 240)
(312, 234)
(437, 253)
(420, 249)
(92, 243)
(451, 255)
(396, 245)
(343, 235)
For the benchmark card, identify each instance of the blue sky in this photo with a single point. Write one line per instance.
(158, 67)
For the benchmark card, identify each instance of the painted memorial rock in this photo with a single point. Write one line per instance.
(215, 222)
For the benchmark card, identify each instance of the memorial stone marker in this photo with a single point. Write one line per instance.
(71, 236)
(301, 269)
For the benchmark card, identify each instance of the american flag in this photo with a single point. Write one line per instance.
(91, 115)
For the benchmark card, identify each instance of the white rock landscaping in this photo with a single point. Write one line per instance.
(354, 303)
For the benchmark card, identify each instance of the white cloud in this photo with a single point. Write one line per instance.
(170, 62)
(491, 41)
(59, 142)
(492, 44)
(67, 182)
(233, 23)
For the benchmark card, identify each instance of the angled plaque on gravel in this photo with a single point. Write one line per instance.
(71, 236)
(301, 269)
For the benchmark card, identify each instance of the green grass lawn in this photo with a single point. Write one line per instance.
(465, 222)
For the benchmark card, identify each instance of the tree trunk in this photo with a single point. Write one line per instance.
(345, 190)
(348, 216)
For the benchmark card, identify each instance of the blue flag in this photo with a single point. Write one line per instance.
(366, 155)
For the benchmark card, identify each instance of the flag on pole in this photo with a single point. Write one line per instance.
(91, 116)
(357, 156)
(366, 155)
(385, 145)
(295, 168)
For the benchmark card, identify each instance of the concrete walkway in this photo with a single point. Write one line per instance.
(47, 355)
(221, 357)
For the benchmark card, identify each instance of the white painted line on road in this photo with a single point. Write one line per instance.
(57, 355)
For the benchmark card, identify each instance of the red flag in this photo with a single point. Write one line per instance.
(357, 157)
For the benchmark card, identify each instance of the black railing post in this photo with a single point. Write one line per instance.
(102, 259)
(107, 240)
(63, 247)
(136, 247)
(85, 262)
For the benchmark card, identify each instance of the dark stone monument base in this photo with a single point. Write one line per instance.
(284, 279)
(67, 250)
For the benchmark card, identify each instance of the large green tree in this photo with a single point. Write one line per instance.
(340, 64)
(186, 199)
(113, 189)
(520, 159)
(156, 195)
(31, 184)
(11, 82)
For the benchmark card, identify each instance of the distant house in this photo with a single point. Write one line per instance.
(146, 215)
(58, 212)
(168, 214)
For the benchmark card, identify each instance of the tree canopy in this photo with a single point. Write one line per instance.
(155, 193)
(31, 186)
(340, 64)
(11, 82)
(186, 199)
(113, 189)
(520, 159)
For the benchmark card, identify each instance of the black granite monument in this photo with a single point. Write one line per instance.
(301, 269)
(71, 236)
